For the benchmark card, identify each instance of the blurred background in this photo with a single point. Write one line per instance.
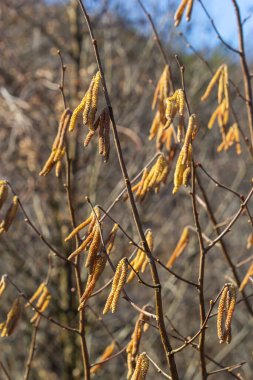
(30, 107)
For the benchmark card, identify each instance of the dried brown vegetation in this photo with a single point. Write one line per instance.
(115, 268)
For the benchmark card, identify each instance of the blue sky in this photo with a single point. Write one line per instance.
(199, 31)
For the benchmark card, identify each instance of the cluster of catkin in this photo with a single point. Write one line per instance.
(183, 166)
(92, 240)
(225, 313)
(58, 149)
(98, 268)
(103, 125)
(8, 327)
(152, 179)
(180, 10)
(231, 138)
(141, 368)
(221, 113)
(11, 211)
(140, 262)
(108, 351)
(180, 247)
(118, 283)
(43, 298)
(88, 107)
(162, 91)
(134, 344)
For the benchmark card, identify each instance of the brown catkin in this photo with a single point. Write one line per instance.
(106, 152)
(3, 192)
(97, 270)
(94, 248)
(88, 138)
(10, 215)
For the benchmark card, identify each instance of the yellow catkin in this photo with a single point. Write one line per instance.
(36, 294)
(76, 113)
(87, 106)
(134, 344)
(188, 137)
(83, 245)
(141, 183)
(3, 284)
(181, 102)
(214, 117)
(180, 247)
(179, 12)
(117, 285)
(94, 219)
(101, 137)
(249, 241)
(246, 278)
(155, 126)
(189, 10)
(178, 174)
(58, 149)
(3, 192)
(212, 83)
(141, 260)
(10, 215)
(180, 129)
(79, 228)
(162, 87)
(141, 368)
(225, 313)
(12, 319)
(221, 314)
(94, 100)
(230, 311)
(186, 176)
(42, 304)
(105, 355)
(221, 87)
(93, 249)
(58, 168)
